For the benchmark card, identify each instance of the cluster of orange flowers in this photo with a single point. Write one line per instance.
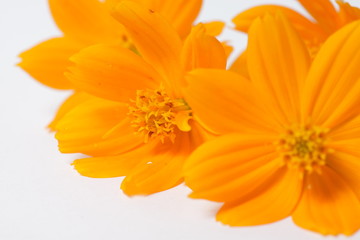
(275, 135)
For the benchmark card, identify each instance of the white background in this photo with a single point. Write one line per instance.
(43, 198)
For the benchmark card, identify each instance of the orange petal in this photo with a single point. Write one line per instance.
(345, 162)
(231, 166)
(110, 4)
(306, 28)
(347, 13)
(179, 13)
(114, 166)
(328, 205)
(48, 61)
(161, 169)
(70, 103)
(199, 134)
(332, 88)
(155, 39)
(225, 102)
(240, 65)
(97, 127)
(324, 12)
(228, 48)
(86, 20)
(202, 51)
(273, 203)
(105, 167)
(111, 72)
(278, 63)
(214, 28)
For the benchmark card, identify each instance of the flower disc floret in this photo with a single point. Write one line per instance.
(154, 114)
(304, 148)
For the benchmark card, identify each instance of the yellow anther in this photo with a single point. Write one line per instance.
(304, 148)
(154, 114)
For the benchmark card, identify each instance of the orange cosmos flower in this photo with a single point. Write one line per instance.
(141, 126)
(327, 20)
(88, 22)
(294, 150)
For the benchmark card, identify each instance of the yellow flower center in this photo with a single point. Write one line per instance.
(304, 148)
(156, 115)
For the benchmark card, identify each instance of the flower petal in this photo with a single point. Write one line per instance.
(274, 202)
(328, 205)
(202, 50)
(347, 13)
(114, 166)
(97, 127)
(324, 12)
(214, 28)
(47, 62)
(155, 39)
(278, 62)
(111, 72)
(105, 167)
(161, 169)
(306, 28)
(70, 103)
(240, 65)
(180, 13)
(236, 106)
(85, 20)
(345, 142)
(332, 88)
(231, 167)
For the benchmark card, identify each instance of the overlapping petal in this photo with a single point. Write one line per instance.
(160, 169)
(85, 20)
(347, 13)
(233, 163)
(234, 107)
(47, 61)
(278, 62)
(332, 88)
(70, 103)
(97, 127)
(307, 29)
(324, 12)
(269, 204)
(112, 72)
(328, 205)
(214, 28)
(202, 51)
(157, 42)
(113, 165)
(345, 162)
(180, 13)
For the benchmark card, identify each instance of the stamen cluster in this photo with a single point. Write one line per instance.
(304, 148)
(153, 114)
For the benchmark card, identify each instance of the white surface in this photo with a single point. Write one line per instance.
(42, 198)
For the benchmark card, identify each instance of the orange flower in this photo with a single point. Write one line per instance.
(141, 126)
(88, 22)
(291, 143)
(327, 21)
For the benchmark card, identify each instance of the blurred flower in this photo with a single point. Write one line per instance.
(314, 33)
(293, 132)
(139, 125)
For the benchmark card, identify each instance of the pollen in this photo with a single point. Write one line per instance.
(304, 148)
(154, 114)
